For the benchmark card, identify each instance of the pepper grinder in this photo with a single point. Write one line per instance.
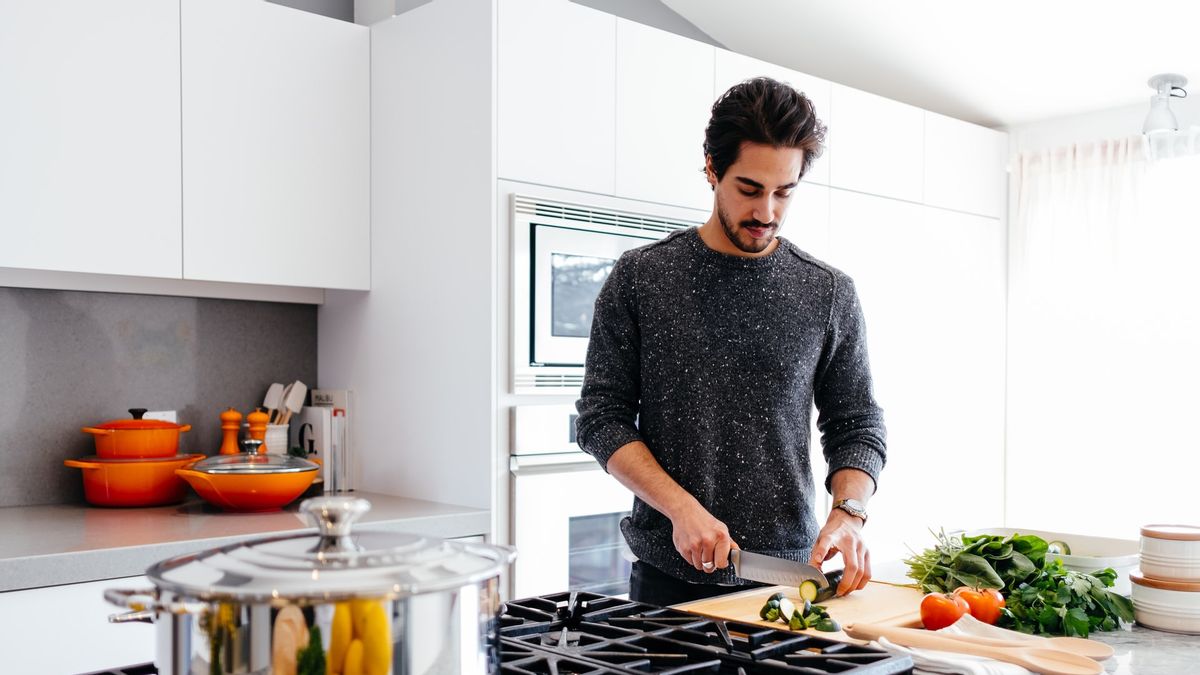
(257, 421)
(231, 422)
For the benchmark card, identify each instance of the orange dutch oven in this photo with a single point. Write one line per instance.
(133, 482)
(137, 438)
(249, 481)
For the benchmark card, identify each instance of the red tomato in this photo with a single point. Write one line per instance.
(939, 610)
(984, 603)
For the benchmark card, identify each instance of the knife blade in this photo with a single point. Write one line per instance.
(775, 571)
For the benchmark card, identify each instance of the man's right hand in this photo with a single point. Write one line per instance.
(701, 539)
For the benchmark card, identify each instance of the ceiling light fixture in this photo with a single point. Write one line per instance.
(1161, 118)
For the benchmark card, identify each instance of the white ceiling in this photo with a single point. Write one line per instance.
(995, 64)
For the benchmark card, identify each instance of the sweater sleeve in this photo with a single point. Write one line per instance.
(608, 403)
(851, 423)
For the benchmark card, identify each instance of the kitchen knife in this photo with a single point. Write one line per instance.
(775, 571)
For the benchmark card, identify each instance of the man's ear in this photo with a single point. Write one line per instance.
(709, 173)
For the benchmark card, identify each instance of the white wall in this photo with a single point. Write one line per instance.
(419, 350)
(1093, 126)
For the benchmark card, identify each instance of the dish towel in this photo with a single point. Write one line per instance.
(931, 661)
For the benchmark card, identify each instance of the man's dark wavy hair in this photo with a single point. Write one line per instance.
(762, 111)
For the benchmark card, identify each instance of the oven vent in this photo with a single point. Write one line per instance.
(568, 382)
(578, 213)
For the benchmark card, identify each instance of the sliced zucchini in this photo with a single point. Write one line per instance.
(762, 613)
(797, 622)
(786, 609)
(777, 596)
(772, 614)
(808, 590)
(828, 625)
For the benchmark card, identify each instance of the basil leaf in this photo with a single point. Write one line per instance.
(975, 571)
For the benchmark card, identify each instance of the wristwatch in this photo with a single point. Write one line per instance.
(853, 507)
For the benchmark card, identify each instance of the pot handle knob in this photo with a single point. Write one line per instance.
(334, 517)
(137, 412)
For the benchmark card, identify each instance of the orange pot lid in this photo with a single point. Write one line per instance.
(1140, 579)
(137, 423)
(1172, 532)
(142, 460)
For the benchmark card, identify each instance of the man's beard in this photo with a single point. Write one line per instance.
(742, 239)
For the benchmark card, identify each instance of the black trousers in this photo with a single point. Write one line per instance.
(652, 586)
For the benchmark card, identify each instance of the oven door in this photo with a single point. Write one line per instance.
(566, 526)
(568, 268)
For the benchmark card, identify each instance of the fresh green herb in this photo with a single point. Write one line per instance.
(1061, 602)
(1042, 597)
(311, 659)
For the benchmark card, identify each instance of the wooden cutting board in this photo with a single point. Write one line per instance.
(879, 603)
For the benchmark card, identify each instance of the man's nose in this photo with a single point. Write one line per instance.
(765, 209)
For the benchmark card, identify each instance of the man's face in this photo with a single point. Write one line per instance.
(753, 196)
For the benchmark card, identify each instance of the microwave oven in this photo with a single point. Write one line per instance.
(562, 254)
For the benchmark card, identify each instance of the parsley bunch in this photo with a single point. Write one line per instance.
(1061, 602)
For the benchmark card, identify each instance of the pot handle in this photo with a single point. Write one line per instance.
(137, 599)
(144, 616)
(77, 464)
(98, 432)
(186, 427)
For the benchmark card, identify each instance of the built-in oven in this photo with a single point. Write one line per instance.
(562, 253)
(566, 511)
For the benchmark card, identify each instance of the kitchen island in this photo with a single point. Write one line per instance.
(71, 543)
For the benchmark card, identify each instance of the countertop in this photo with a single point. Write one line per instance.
(70, 543)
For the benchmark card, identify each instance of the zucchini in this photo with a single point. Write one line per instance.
(828, 625)
(1058, 548)
(808, 590)
(762, 613)
(797, 622)
(777, 596)
(772, 614)
(786, 609)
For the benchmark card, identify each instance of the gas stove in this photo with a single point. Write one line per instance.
(601, 635)
(591, 634)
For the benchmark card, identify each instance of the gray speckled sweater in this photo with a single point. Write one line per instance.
(715, 361)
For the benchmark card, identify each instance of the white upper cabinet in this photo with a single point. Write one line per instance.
(89, 136)
(664, 98)
(557, 83)
(964, 166)
(276, 146)
(731, 68)
(879, 145)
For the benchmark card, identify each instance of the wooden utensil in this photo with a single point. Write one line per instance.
(1037, 659)
(1081, 646)
(271, 401)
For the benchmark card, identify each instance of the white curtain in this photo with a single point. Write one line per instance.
(1104, 337)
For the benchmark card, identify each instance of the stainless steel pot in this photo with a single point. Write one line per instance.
(370, 602)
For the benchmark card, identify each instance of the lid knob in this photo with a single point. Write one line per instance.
(251, 446)
(334, 517)
(137, 412)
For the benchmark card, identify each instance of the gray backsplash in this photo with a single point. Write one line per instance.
(71, 359)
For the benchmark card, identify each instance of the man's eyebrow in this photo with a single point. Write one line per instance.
(758, 185)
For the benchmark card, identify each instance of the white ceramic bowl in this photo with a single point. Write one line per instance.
(1166, 605)
(1171, 552)
(1088, 554)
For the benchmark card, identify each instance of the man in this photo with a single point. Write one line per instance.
(707, 351)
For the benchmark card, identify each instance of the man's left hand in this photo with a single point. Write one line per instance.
(843, 534)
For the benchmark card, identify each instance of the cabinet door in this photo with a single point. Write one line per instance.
(932, 287)
(664, 99)
(731, 68)
(557, 82)
(964, 166)
(880, 145)
(89, 136)
(65, 629)
(276, 146)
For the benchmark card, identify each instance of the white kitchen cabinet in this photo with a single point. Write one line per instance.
(932, 287)
(664, 99)
(276, 146)
(880, 145)
(89, 136)
(731, 68)
(807, 223)
(65, 629)
(557, 83)
(964, 166)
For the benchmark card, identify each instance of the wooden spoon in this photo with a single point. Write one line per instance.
(1041, 660)
(1082, 646)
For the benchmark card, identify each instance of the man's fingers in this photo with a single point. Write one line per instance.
(721, 553)
(866, 570)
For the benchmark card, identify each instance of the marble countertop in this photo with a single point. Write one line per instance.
(70, 543)
(1144, 651)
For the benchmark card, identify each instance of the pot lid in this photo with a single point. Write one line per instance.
(137, 422)
(252, 463)
(174, 459)
(332, 564)
(1172, 532)
(1140, 579)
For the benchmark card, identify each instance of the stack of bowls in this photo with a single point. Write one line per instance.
(135, 463)
(1166, 590)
